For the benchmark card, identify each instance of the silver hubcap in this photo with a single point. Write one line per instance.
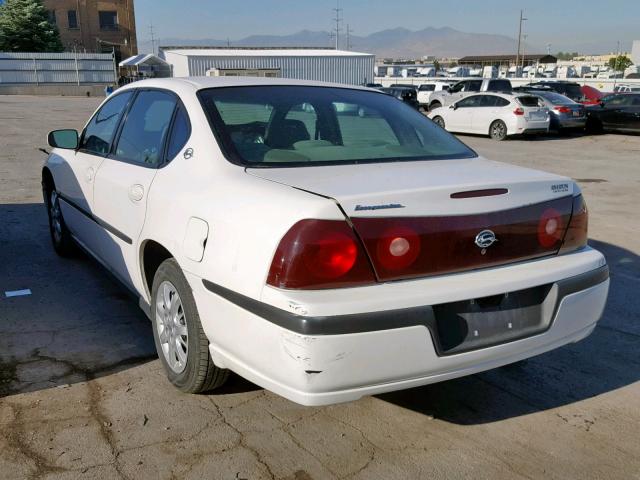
(172, 327)
(56, 217)
(498, 130)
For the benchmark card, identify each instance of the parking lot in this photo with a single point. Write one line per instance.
(82, 394)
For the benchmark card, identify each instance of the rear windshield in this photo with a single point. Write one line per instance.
(529, 101)
(556, 98)
(298, 125)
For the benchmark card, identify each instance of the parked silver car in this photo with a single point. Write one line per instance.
(565, 113)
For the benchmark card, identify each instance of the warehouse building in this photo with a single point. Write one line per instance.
(321, 64)
(508, 60)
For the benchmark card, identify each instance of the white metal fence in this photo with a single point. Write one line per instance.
(23, 68)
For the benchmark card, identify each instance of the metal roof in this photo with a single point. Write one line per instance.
(142, 59)
(260, 52)
(539, 57)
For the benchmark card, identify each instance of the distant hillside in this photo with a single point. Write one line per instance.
(397, 42)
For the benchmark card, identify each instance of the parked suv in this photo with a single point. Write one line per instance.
(406, 93)
(465, 87)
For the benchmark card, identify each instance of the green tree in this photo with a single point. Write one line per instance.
(620, 63)
(25, 27)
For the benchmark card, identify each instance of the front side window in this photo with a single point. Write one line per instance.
(108, 20)
(99, 133)
(145, 128)
(268, 126)
(473, 101)
(473, 86)
(457, 87)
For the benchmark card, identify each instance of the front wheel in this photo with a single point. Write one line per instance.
(434, 105)
(63, 244)
(498, 130)
(181, 343)
(439, 121)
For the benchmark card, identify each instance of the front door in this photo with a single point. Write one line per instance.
(76, 172)
(124, 178)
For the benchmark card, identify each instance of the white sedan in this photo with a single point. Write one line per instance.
(325, 242)
(495, 114)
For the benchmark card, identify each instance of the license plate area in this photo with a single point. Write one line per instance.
(479, 323)
(538, 115)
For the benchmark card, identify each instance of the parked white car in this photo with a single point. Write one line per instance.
(495, 114)
(321, 253)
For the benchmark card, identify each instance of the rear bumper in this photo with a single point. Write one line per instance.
(569, 122)
(323, 359)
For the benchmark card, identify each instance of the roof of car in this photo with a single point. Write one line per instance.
(199, 83)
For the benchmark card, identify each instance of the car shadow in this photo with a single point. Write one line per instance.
(76, 324)
(607, 360)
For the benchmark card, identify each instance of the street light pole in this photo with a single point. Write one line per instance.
(522, 19)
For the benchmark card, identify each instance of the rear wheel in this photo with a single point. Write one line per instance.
(181, 343)
(498, 130)
(439, 121)
(594, 126)
(63, 244)
(435, 105)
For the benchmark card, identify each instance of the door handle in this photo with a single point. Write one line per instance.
(136, 192)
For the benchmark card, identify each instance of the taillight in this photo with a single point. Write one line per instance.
(519, 111)
(562, 109)
(398, 247)
(318, 254)
(550, 228)
(577, 231)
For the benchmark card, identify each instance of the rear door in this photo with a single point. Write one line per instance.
(488, 109)
(123, 181)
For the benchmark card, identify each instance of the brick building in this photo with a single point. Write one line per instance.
(95, 25)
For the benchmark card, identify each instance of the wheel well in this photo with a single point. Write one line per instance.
(153, 254)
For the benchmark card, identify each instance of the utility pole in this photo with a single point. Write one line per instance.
(348, 39)
(615, 67)
(338, 19)
(522, 19)
(153, 38)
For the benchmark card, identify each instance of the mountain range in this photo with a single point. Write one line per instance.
(392, 43)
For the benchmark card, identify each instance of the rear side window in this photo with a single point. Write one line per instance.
(473, 86)
(179, 134)
(145, 128)
(427, 88)
(500, 86)
(99, 133)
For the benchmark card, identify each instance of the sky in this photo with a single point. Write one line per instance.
(565, 24)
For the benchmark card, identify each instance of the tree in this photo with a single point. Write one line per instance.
(25, 27)
(620, 63)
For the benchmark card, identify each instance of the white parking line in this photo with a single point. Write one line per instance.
(17, 293)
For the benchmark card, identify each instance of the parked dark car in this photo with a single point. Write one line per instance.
(616, 112)
(405, 93)
(373, 85)
(565, 113)
(568, 89)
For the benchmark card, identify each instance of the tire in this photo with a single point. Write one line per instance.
(594, 126)
(61, 238)
(439, 121)
(434, 105)
(498, 130)
(193, 370)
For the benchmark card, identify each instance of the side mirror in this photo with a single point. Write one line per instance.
(454, 106)
(63, 139)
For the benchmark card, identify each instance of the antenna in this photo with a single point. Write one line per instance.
(153, 38)
(337, 19)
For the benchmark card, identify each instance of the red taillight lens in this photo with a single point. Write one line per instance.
(550, 228)
(577, 231)
(318, 254)
(398, 247)
(562, 109)
(519, 111)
